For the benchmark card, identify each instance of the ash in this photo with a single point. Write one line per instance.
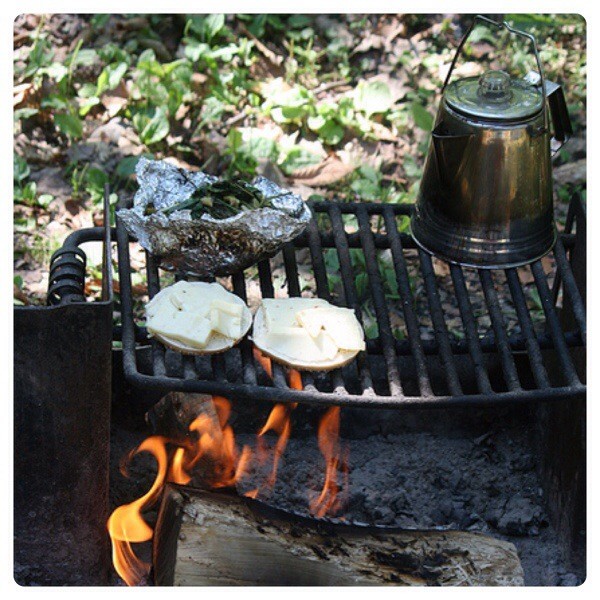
(446, 477)
(467, 470)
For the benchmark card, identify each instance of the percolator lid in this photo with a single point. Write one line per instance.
(495, 96)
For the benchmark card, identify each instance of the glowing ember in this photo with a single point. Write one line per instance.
(329, 501)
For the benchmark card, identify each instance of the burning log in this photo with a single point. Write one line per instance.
(207, 538)
(175, 412)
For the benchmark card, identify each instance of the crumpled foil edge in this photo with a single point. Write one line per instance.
(207, 246)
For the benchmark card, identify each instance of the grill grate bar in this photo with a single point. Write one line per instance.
(291, 271)
(316, 256)
(126, 297)
(410, 318)
(379, 303)
(248, 367)
(570, 287)
(267, 290)
(189, 367)
(380, 240)
(466, 314)
(439, 324)
(294, 291)
(501, 338)
(350, 293)
(218, 366)
(562, 350)
(158, 350)
(533, 348)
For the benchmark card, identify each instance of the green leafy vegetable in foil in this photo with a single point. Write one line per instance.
(220, 200)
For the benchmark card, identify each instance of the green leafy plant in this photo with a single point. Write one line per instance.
(152, 126)
(206, 27)
(18, 284)
(288, 106)
(240, 161)
(25, 192)
(368, 185)
(295, 158)
(373, 97)
(421, 116)
(87, 182)
(70, 124)
(326, 123)
(95, 181)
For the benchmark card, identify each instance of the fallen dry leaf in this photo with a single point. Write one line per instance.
(325, 173)
(382, 133)
(370, 42)
(138, 290)
(19, 295)
(481, 49)
(181, 164)
(526, 275)
(572, 173)
(399, 83)
(274, 58)
(391, 31)
(182, 111)
(441, 268)
(113, 104)
(20, 92)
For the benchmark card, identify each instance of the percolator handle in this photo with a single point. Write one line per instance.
(511, 30)
(561, 122)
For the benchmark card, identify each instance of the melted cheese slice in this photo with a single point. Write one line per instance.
(223, 323)
(228, 308)
(292, 342)
(339, 324)
(307, 330)
(281, 313)
(327, 347)
(189, 328)
(194, 312)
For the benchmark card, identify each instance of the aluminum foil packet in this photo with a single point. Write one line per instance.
(207, 246)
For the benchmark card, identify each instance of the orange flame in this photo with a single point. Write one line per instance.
(126, 523)
(279, 421)
(263, 360)
(295, 380)
(329, 501)
(212, 447)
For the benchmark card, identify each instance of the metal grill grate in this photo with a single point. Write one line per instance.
(401, 367)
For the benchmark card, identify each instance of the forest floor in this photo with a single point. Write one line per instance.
(333, 106)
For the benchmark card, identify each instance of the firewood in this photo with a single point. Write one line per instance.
(173, 414)
(218, 538)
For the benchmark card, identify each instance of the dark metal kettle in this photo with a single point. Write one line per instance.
(485, 198)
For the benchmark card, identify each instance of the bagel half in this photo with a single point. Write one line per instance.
(297, 360)
(217, 342)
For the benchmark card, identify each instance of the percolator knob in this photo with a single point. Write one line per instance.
(495, 86)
